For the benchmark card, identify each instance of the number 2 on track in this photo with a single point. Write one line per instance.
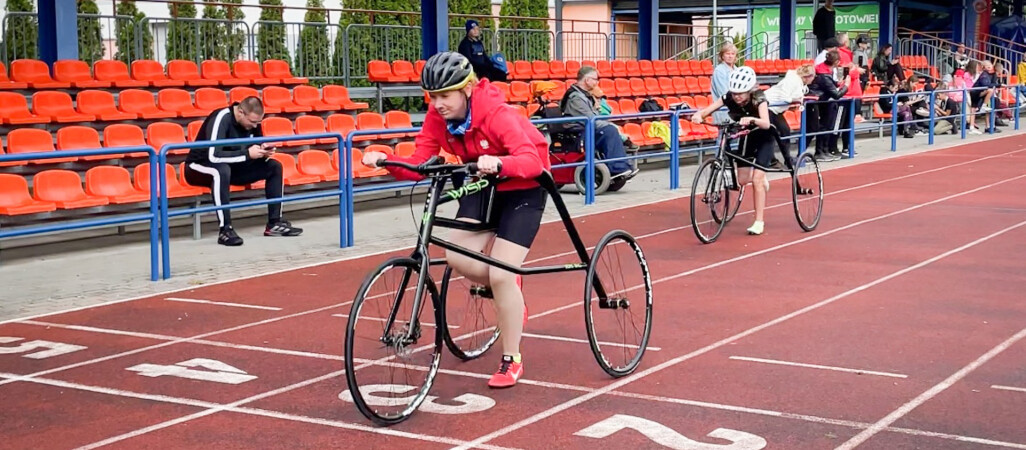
(667, 437)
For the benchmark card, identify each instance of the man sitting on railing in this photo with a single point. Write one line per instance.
(578, 102)
(220, 167)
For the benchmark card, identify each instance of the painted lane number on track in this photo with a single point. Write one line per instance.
(51, 348)
(464, 404)
(667, 437)
(216, 371)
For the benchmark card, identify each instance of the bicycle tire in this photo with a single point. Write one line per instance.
(450, 343)
(709, 189)
(801, 200)
(357, 396)
(616, 303)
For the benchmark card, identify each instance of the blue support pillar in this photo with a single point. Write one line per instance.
(648, 29)
(434, 31)
(1017, 8)
(58, 30)
(788, 16)
(888, 18)
(958, 21)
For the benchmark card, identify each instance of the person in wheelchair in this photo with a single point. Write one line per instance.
(747, 105)
(471, 120)
(578, 102)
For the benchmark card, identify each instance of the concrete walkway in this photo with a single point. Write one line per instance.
(46, 278)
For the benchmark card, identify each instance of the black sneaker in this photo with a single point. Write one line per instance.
(282, 228)
(229, 238)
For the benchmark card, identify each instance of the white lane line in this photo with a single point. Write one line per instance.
(251, 411)
(1008, 388)
(931, 393)
(667, 364)
(211, 302)
(582, 341)
(817, 366)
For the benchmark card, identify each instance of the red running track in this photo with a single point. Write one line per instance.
(898, 323)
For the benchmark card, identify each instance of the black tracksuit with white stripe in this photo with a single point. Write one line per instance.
(221, 167)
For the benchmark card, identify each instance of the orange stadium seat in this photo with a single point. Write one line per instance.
(278, 99)
(280, 126)
(317, 163)
(115, 184)
(33, 140)
(152, 73)
(406, 149)
(279, 70)
(14, 110)
(379, 71)
(159, 134)
(175, 189)
(211, 99)
(6, 83)
(77, 73)
(36, 73)
(140, 102)
(101, 104)
(250, 71)
(313, 125)
(399, 119)
(310, 97)
(77, 137)
(219, 71)
(178, 101)
(341, 123)
(238, 94)
(124, 135)
(290, 173)
(64, 189)
(404, 69)
(58, 106)
(115, 72)
(187, 72)
(15, 198)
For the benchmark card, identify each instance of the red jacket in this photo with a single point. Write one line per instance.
(495, 129)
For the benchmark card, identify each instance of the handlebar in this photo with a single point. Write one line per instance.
(435, 167)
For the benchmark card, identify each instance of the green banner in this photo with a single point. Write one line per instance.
(854, 19)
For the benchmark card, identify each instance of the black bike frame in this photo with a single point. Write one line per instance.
(438, 195)
(725, 144)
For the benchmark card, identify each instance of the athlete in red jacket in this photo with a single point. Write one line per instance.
(470, 119)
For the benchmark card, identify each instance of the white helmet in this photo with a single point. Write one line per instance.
(742, 79)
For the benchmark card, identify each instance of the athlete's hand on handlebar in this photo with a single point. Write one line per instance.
(488, 164)
(370, 159)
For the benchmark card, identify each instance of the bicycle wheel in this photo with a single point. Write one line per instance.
(807, 192)
(380, 341)
(618, 303)
(473, 318)
(709, 192)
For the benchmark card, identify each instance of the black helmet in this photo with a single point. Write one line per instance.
(446, 71)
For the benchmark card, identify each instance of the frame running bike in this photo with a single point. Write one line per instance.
(398, 325)
(717, 177)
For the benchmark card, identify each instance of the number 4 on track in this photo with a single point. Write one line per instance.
(667, 437)
(217, 371)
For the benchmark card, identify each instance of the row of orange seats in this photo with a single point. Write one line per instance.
(519, 91)
(775, 66)
(89, 105)
(400, 71)
(913, 62)
(158, 134)
(617, 68)
(114, 185)
(68, 73)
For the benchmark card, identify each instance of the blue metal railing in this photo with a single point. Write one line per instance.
(344, 191)
(151, 216)
(159, 214)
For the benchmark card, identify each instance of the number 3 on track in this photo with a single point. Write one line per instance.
(667, 437)
(52, 348)
(465, 404)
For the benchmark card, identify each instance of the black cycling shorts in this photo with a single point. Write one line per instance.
(515, 215)
(758, 145)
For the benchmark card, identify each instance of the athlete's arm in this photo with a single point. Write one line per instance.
(762, 121)
(713, 106)
(515, 133)
(427, 145)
